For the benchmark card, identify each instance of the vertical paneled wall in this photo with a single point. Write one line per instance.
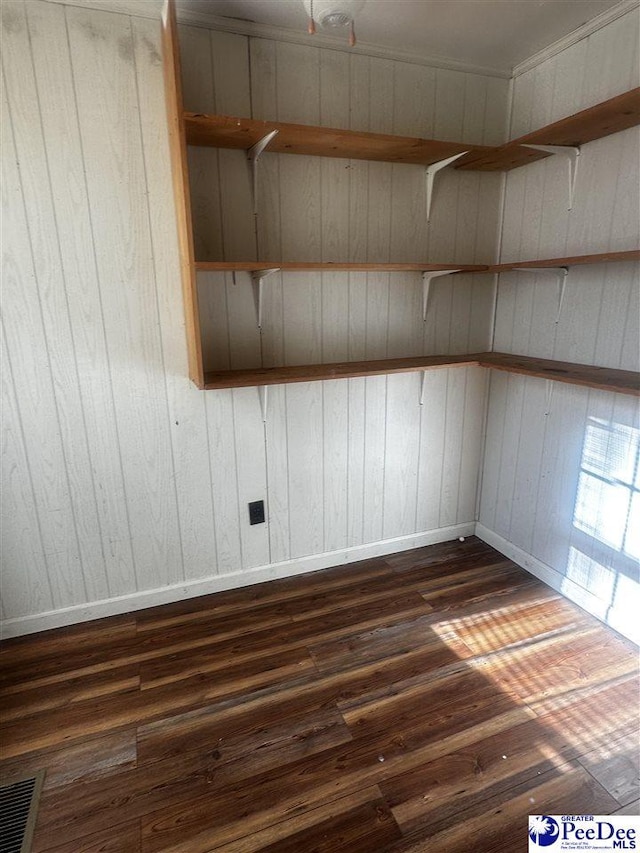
(119, 476)
(558, 487)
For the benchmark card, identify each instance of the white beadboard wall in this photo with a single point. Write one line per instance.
(536, 431)
(123, 485)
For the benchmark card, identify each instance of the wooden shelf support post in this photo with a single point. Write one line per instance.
(572, 153)
(253, 156)
(427, 278)
(257, 277)
(431, 172)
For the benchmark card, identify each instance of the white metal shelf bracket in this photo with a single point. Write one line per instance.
(572, 153)
(431, 172)
(264, 399)
(257, 277)
(253, 156)
(561, 273)
(427, 277)
(550, 386)
(422, 386)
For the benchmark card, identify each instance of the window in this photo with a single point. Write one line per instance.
(608, 498)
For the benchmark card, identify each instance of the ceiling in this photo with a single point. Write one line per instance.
(493, 33)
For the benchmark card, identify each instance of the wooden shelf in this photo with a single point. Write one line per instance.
(243, 133)
(605, 257)
(337, 370)
(606, 379)
(603, 378)
(603, 119)
(303, 266)
(612, 116)
(294, 266)
(186, 128)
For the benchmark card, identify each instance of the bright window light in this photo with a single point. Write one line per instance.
(608, 499)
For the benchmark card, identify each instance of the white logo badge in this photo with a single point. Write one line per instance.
(583, 832)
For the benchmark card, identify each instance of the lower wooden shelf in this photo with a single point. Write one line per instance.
(604, 378)
(337, 266)
(337, 370)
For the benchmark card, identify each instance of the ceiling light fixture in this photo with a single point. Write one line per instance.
(333, 14)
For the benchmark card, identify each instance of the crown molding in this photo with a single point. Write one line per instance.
(592, 26)
(152, 9)
(266, 31)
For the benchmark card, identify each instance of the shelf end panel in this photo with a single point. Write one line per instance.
(181, 192)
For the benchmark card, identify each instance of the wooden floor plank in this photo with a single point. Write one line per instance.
(52, 644)
(384, 642)
(334, 773)
(90, 758)
(124, 838)
(501, 628)
(347, 823)
(468, 777)
(299, 635)
(98, 716)
(424, 700)
(616, 766)
(226, 761)
(17, 705)
(193, 729)
(360, 830)
(574, 659)
(499, 825)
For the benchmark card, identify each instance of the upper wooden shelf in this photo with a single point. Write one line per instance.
(243, 133)
(605, 257)
(291, 266)
(619, 113)
(603, 119)
(603, 378)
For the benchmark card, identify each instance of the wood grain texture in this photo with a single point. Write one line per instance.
(603, 257)
(441, 689)
(250, 266)
(230, 132)
(607, 379)
(341, 370)
(609, 117)
(180, 173)
(616, 114)
(590, 376)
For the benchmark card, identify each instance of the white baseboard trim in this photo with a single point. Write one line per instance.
(612, 617)
(217, 583)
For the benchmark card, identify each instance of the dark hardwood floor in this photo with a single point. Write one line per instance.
(428, 700)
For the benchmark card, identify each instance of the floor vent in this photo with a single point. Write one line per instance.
(18, 810)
